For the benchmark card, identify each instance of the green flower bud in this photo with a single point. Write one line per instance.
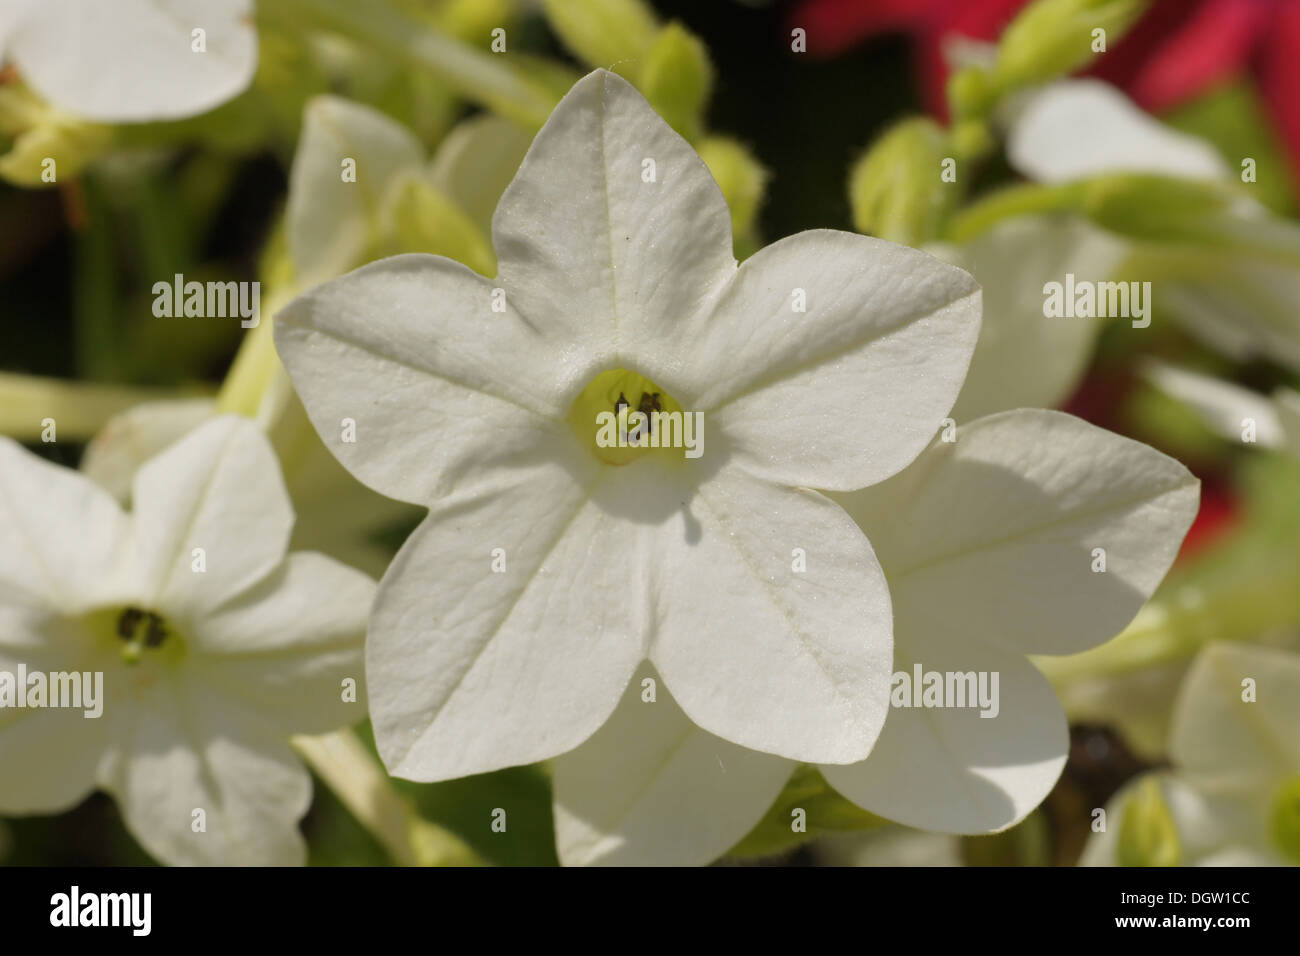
(971, 93)
(1051, 38)
(472, 20)
(808, 806)
(604, 33)
(1148, 835)
(741, 178)
(1155, 207)
(46, 146)
(898, 191)
(677, 78)
(419, 217)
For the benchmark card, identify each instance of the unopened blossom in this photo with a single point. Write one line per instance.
(554, 563)
(1233, 795)
(1033, 532)
(125, 61)
(214, 646)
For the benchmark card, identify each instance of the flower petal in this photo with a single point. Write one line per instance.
(134, 60)
(185, 748)
(1024, 359)
(1080, 128)
(590, 249)
(953, 769)
(132, 437)
(441, 389)
(62, 538)
(330, 221)
(650, 788)
(847, 393)
(287, 645)
(477, 161)
(49, 754)
(992, 536)
(756, 651)
(472, 669)
(219, 489)
(1220, 734)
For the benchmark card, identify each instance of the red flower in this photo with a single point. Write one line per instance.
(1177, 51)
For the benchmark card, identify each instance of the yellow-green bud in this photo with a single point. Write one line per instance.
(740, 176)
(48, 146)
(1155, 207)
(677, 78)
(1051, 38)
(1148, 835)
(1286, 819)
(604, 33)
(905, 185)
(421, 218)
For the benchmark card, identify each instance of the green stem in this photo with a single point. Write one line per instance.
(79, 409)
(1175, 627)
(482, 77)
(1013, 201)
(349, 769)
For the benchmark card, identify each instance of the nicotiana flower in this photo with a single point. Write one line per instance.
(123, 61)
(1025, 359)
(1236, 300)
(213, 644)
(560, 552)
(1032, 533)
(1233, 797)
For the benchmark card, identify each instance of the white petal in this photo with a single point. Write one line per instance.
(184, 748)
(287, 645)
(1217, 734)
(330, 221)
(472, 669)
(1024, 359)
(949, 769)
(132, 437)
(63, 539)
(993, 536)
(1080, 128)
(650, 788)
(590, 249)
(133, 60)
(847, 393)
(441, 388)
(795, 663)
(218, 489)
(477, 161)
(49, 754)
(1224, 407)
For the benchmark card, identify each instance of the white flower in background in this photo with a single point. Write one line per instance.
(125, 61)
(1024, 359)
(891, 846)
(1233, 797)
(989, 546)
(1233, 412)
(550, 567)
(215, 646)
(1237, 302)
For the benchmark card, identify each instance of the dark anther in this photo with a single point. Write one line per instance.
(131, 620)
(128, 622)
(621, 404)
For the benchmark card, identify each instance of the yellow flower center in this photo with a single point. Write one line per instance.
(137, 632)
(622, 415)
(1286, 819)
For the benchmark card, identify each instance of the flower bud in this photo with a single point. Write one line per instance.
(604, 33)
(1051, 38)
(676, 78)
(740, 176)
(897, 191)
(1148, 835)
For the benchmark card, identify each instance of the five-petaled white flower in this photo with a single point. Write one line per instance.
(123, 61)
(1233, 795)
(551, 566)
(214, 646)
(990, 545)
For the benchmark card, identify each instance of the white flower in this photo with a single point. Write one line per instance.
(1233, 797)
(988, 544)
(1025, 359)
(826, 360)
(123, 61)
(1237, 302)
(214, 644)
